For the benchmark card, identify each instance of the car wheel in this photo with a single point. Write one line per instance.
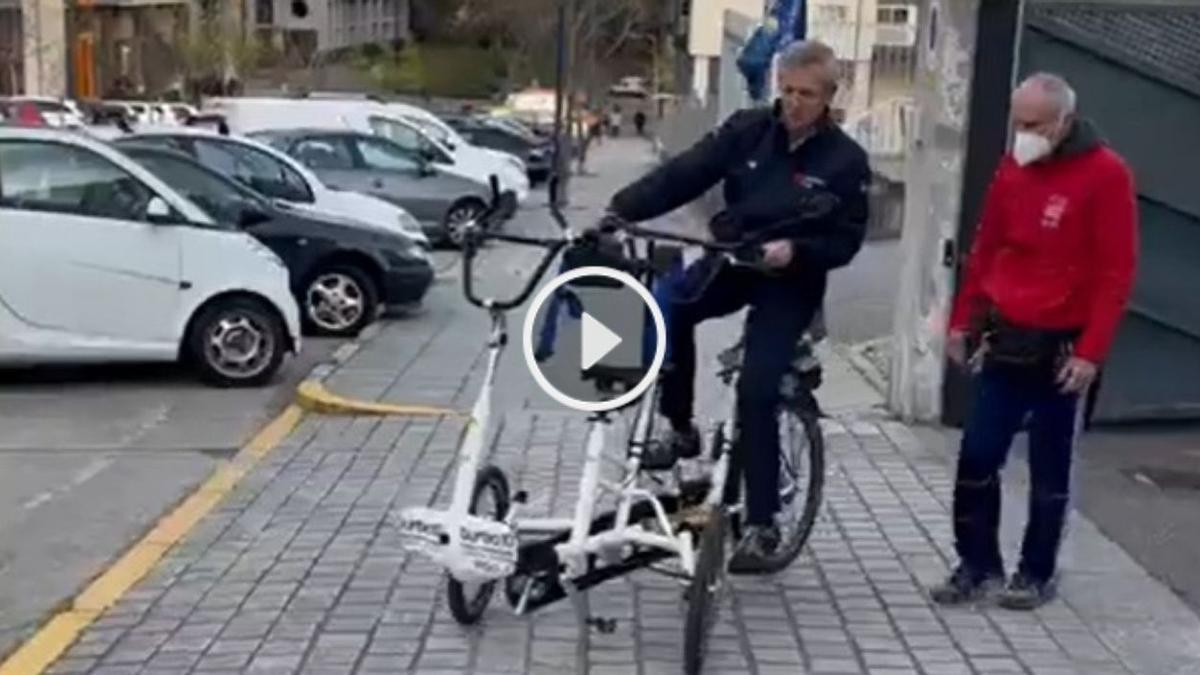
(461, 213)
(339, 301)
(237, 342)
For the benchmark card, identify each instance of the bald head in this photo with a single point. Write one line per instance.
(1044, 103)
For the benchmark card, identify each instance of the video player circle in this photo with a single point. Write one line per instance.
(594, 339)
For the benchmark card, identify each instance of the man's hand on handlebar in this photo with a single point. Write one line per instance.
(777, 254)
(610, 222)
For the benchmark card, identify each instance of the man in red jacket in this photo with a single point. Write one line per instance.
(1048, 278)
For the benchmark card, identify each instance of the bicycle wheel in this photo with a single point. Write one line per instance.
(703, 593)
(488, 498)
(801, 483)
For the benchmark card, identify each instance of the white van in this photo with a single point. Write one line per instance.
(100, 261)
(247, 115)
(449, 137)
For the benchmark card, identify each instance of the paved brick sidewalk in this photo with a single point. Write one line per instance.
(300, 570)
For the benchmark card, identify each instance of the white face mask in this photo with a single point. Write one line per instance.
(1029, 147)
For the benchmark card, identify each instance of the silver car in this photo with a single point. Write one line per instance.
(350, 160)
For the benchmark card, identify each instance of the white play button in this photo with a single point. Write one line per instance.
(597, 341)
(600, 338)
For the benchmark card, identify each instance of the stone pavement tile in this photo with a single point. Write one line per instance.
(948, 669)
(226, 662)
(117, 670)
(72, 666)
(275, 664)
(821, 666)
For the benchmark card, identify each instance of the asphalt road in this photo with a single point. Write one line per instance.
(1141, 485)
(91, 457)
(861, 296)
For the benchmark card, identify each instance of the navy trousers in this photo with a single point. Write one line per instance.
(780, 310)
(1004, 398)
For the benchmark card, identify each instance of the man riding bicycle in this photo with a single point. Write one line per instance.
(769, 160)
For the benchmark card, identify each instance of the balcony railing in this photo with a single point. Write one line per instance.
(884, 129)
(856, 41)
(895, 35)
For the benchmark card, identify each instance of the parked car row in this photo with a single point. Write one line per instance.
(221, 247)
(66, 113)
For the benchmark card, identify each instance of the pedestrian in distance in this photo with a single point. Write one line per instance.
(1047, 281)
(614, 121)
(639, 122)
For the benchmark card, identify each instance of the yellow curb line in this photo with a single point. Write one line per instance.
(314, 397)
(53, 638)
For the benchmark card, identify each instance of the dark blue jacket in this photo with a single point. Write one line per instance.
(763, 184)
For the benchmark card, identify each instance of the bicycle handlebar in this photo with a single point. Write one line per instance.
(552, 246)
(747, 253)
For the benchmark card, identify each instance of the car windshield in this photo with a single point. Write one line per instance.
(221, 199)
(409, 138)
(513, 127)
(435, 132)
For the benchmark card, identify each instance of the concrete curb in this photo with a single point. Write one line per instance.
(313, 396)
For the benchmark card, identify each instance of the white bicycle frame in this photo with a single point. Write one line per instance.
(440, 534)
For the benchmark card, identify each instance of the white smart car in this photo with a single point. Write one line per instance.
(100, 261)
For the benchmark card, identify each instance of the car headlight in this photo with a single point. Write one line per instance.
(266, 254)
(419, 252)
(515, 163)
(410, 227)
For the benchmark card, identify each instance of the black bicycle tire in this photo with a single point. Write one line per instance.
(468, 611)
(703, 602)
(813, 497)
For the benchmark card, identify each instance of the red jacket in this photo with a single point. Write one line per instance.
(1057, 244)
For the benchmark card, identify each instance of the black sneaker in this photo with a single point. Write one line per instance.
(661, 454)
(1023, 593)
(964, 586)
(755, 549)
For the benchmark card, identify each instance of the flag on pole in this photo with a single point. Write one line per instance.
(785, 21)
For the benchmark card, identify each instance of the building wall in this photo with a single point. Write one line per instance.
(933, 190)
(44, 57)
(337, 24)
(123, 51)
(12, 73)
(354, 23)
(707, 23)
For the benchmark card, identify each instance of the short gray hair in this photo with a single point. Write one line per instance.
(1056, 88)
(810, 54)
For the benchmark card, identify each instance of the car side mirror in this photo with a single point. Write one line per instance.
(159, 212)
(250, 215)
(427, 169)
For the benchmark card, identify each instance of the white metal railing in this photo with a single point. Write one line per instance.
(884, 129)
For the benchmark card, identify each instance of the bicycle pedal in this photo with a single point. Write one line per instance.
(605, 626)
(521, 497)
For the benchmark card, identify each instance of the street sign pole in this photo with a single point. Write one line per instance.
(562, 124)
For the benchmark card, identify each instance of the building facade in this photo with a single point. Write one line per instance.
(128, 48)
(12, 54)
(308, 29)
